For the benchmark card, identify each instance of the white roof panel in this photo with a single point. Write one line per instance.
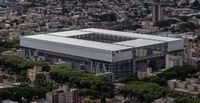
(139, 42)
(129, 34)
(78, 42)
(69, 33)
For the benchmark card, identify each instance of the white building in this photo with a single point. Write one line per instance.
(100, 51)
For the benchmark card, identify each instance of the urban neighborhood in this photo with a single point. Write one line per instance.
(99, 51)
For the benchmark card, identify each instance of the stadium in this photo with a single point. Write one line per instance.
(101, 51)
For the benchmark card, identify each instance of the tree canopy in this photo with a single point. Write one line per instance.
(150, 88)
(198, 63)
(16, 93)
(85, 81)
(145, 91)
(186, 27)
(16, 64)
(165, 23)
(172, 73)
(196, 4)
(9, 44)
(142, 90)
(105, 17)
(128, 26)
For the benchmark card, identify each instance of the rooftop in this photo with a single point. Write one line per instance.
(129, 34)
(69, 33)
(102, 39)
(139, 42)
(78, 42)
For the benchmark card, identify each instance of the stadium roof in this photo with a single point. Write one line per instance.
(129, 34)
(139, 43)
(69, 33)
(78, 42)
(65, 38)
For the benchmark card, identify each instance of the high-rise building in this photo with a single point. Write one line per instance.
(157, 12)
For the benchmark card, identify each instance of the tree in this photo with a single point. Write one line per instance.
(142, 91)
(2, 59)
(165, 23)
(198, 63)
(153, 65)
(127, 26)
(184, 18)
(172, 73)
(62, 1)
(103, 99)
(150, 87)
(64, 10)
(14, 64)
(9, 44)
(105, 17)
(158, 80)
(16, 93)
(181, 99)
(131, 78)
(196, 4)
(186, 27)
(82, 80)
(40, 79)
(146, 5)
(196, 40)
(45, 66)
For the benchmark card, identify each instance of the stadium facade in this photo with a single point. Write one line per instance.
(103, 51)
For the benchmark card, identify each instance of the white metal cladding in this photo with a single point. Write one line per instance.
(60, 42)
(74, 50)
(123, 55)
(175, 45)
(69, 33)
(139, 43)
(78, 42)
(129, 34)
